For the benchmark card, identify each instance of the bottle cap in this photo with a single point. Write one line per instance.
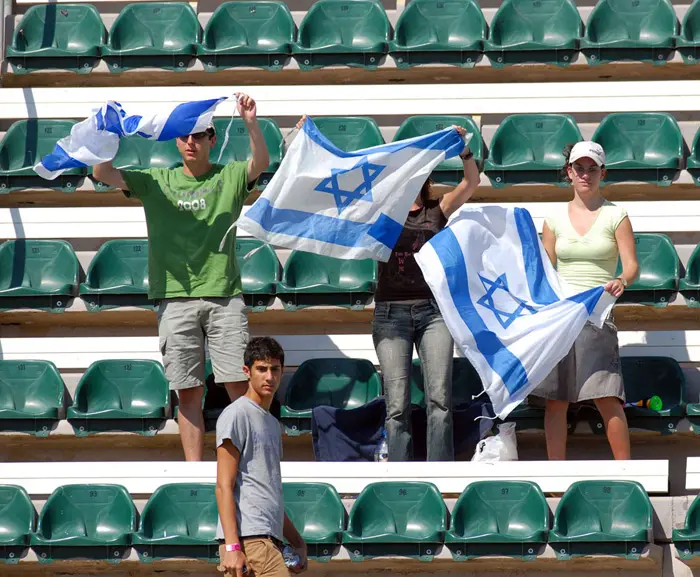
(655, 403)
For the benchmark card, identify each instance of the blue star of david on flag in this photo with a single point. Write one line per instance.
(344, 198)
(504, 317)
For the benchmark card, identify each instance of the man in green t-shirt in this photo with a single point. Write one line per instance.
(197, 287)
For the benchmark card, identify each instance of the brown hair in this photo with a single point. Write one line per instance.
(425, 190)
(565, 171)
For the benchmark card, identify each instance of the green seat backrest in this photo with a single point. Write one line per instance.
(658, 261)
(648, 137)
(690, 27)
(181, 509)
(513, 508)
(238, 146)
(304, 269)
(615, 508)
(133, 385)
(75, 27)
(533, 138)
(466, 383)
(96, 511)
(37, 264)
(120, 262)
(692, 270)
(260, 267)
(260, 24)
(420, 125)
(348, 24)
(650, 21)
(30, 386)
(692, 518)
(548, 22)
(17, 514)
(447, 23)
(138, 153)
(315, 509)
(408, 509)
(341, 383)
(645, 377)
(350, 133)
(27, 141)
(171, 25)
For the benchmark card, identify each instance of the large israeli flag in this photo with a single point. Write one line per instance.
(345, 204)
(96, 139)
(506, 307)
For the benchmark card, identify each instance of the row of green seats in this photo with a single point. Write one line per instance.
(526, 148)
(352, 33)
(410, 519)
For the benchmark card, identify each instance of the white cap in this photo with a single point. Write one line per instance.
(588, 149)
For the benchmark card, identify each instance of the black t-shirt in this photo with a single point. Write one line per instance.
(401, 279)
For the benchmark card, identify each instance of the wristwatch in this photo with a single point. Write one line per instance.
(623, 281)
(466, 155)
(233, 547)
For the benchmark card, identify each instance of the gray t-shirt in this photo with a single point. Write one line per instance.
(258, 490)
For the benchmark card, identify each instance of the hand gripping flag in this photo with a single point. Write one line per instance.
(507, 309)
(96, 139)
(345, 204)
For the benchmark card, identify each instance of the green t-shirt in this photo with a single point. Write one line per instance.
(187, 218)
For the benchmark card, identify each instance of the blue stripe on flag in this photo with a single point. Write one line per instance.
(184, 117)
(59, 159)
(324, 228)
(448, 141)
(589, 298)
(500, 359)
(541, 291)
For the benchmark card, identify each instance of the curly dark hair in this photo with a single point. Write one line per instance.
(262, 349)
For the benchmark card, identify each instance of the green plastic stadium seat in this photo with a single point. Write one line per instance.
(138, 153)
(341, 383)
(642, 30)
(120, 395)
(688, 42)
(153, 35)
(350, 133)
(687, 539)
(451, 171)
(530, 148)
(693, 161)
(313, 280)
(690, 285)
(85, 521)
(25, 143)
(645, 377)
(407, 519)
(342, 32)
(641, 146)
(179, 520)
(238, 147)
(504, 518)
(17, 522)
(317, 512)
(51, 36)
(430, 32)
(31, 397)
(37, 274)
(260, 272)
(659, 271)
(117, 276)
(525, 31)
(258, 33)
(602, 518)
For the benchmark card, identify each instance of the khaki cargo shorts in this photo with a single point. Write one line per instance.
(185, 325)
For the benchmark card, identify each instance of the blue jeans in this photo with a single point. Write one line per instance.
(396, 329)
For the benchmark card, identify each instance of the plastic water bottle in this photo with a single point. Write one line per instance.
(381, 454)
(291, 559)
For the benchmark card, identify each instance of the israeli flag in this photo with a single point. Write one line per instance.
(96, 139)
(345, 204)
(506, 307)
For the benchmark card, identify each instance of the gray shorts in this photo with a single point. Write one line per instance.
(590, 370)
(184, 325)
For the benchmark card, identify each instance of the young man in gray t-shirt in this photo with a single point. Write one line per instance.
(252, 521)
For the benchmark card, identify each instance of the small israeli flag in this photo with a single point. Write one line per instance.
(506, 307)
(345, 204)
(96, 139)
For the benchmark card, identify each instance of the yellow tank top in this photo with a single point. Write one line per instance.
(589, 260)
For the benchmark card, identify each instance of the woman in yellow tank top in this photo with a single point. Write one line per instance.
(584, 239)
